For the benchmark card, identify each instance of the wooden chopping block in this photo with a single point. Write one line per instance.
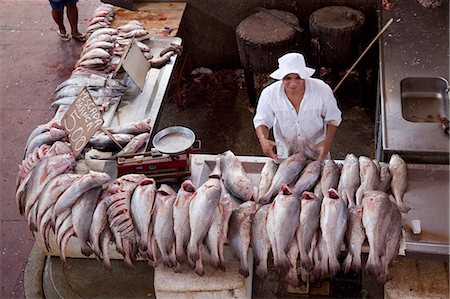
(336, 30)
(262, 39)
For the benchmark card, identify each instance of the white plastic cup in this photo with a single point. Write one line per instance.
(415, 226)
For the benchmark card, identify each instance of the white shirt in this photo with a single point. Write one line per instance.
(291, 130)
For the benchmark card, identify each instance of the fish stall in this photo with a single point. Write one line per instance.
(207, 223)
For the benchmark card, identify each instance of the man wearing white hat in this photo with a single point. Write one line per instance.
(301, 110)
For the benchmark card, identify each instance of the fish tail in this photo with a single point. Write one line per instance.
(282, 264)
(334, 265)
(372, 265)
(199, 270)
(143, 245)
(347, 264)
(307, 263)
(193, 254)
(261, 270)
(292, 278)
(403, 207)
(86, 250)
(356, 263)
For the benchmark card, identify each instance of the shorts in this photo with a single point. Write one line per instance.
(59, 4)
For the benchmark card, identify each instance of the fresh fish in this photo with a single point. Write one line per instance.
(217, 233)
(330, 176)
(103, 19)
(385, 177)
(141, 207)
(135, 144)
(119, 216)
(308, 177)
(51, 194)
(89, 181)
(308, 226)
(158, 62)
(91, 63)
(163, 228)
(98, 38)
(260, 241)
(354, 238)
(43, 173)
(30, 161)
(96, 26)
(235, 178)
(283, 216)
(105, 45)
(102, 141)
(333, 224)
(82, 215)
(287, 173)
(369, 177)
(95, 53)
(377, 213)
(399, 182)
(318, 190)
(239, 233)
(181, 219)
(54, 134)
(392, 242)
(105, 240)
(267, 173)
(350, 180)
(377, 165)
(201, 213)
(136, 33)
(130, 26)
(135, 128)
(292, 254)
(54, 123)
(99, 219)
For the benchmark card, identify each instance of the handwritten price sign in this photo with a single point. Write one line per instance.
(81, 121)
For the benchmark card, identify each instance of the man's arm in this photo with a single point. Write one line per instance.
(325, 145)
(267, 145)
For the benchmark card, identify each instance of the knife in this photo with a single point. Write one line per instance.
(262, 9)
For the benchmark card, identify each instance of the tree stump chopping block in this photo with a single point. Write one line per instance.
(262, 39)
(336, 29)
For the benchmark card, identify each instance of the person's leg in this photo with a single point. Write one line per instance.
(72, 15)
(58, 16)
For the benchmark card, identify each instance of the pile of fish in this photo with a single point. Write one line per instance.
(132, 136)
(301, 213)
(104, 90)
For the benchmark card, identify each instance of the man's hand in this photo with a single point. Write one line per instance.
(324, 149)
(267, 146)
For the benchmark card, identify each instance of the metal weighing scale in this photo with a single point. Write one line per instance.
(169, 157)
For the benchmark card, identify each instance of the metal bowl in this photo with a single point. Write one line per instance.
(173, 140)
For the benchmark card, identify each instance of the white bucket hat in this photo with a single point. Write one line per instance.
(292, 63)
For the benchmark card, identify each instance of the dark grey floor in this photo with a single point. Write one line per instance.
(219, 115)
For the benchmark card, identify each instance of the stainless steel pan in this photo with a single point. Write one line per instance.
(173, 140)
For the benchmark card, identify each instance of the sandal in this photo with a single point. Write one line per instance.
(64, 36)
(80, 38)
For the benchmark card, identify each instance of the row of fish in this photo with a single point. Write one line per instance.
(351, 178)
(169, 227)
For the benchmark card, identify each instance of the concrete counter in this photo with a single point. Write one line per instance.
(415, 45)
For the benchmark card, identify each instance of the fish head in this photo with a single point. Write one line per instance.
(285, 190)
(309, 195)
(332, 194)
(188, 186)
(146, 181)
